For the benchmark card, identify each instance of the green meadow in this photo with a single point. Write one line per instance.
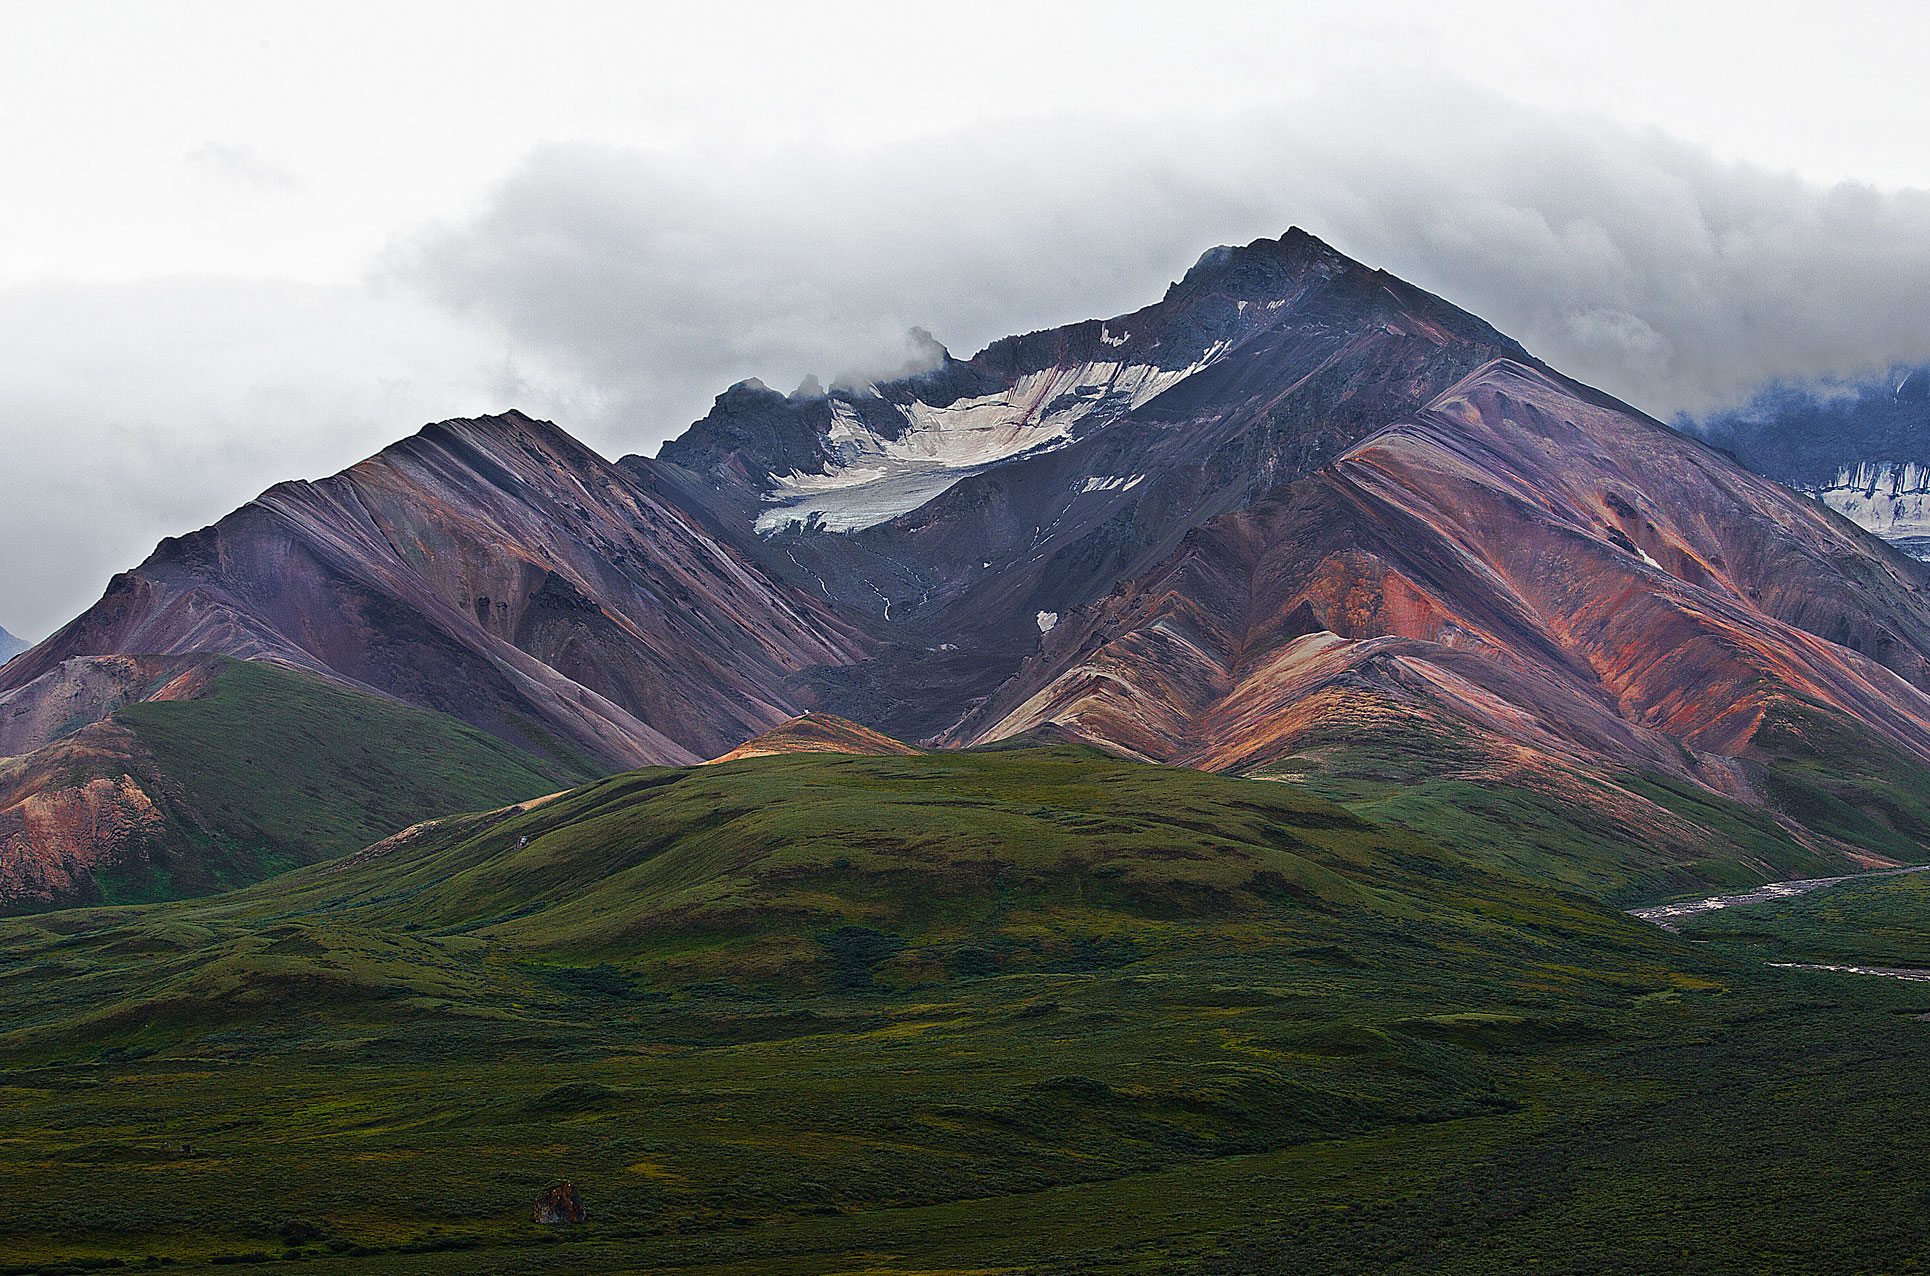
(1026, 1010)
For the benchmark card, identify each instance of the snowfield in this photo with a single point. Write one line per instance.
(872, 478)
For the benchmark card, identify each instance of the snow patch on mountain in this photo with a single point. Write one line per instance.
(1890, 499)
(1112, 483)
(870, 478)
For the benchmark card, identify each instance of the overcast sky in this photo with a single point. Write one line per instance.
(254, 241)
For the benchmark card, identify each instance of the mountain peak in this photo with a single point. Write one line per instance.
(1259, 265)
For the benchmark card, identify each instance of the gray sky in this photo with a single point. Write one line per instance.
(246, 242)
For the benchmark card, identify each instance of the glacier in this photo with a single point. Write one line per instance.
(870, 478)
(1888, 498)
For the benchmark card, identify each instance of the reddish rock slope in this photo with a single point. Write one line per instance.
(1570, 582)
(820, 733)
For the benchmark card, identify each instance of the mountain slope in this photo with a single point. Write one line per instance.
(10, 646)
(1561, 585)
(820, 733)
(200, 772)
(494, 570)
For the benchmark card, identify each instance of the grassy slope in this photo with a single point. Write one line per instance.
(1844, 782)
(1586, 836)
(993, 860)
(1039, 1008)
(285, 768)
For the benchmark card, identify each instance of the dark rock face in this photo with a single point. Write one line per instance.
(1261, 365)
(560, 1204)
(1863, 449)
(1805, 435)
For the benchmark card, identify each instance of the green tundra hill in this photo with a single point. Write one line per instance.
(274, 768)
(1024, 1010)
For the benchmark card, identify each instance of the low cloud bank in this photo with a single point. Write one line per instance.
(618, 291)
(1629, 259)
(136, 411)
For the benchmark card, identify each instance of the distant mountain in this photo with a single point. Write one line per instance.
(1298, 519)
(1862, 448)
(11, 646)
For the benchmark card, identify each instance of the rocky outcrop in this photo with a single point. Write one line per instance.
(92, 802)
(559, 1204)
(1889, 499)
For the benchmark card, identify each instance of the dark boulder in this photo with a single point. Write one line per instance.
(560, 1204)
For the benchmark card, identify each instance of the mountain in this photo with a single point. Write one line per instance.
(1298, 504)
(10, 646)
(494, 570)
(958, 512)
(1554, 589)
(1297, 519)
(1860, 447)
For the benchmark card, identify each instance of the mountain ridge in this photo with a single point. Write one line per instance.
(451, 569)
(1294, 494)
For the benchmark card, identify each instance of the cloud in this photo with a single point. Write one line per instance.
(619, 290)
(232, 164)
(136, 411)
(1634, 261)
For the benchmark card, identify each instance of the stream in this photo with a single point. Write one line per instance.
(1664, 915)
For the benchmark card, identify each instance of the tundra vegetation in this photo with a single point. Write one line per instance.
(1034, 1009)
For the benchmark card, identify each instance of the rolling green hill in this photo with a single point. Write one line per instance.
(268, 768)
(295, 769)
(1033, 1009)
